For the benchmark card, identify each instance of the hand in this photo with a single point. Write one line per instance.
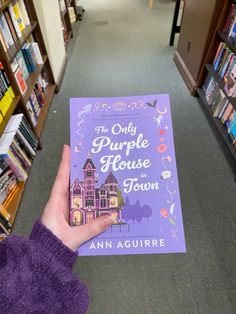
(56, 212)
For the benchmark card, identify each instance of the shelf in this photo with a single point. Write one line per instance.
(10, 111)
(32, 79)
(231, 43)
(220, 126)
(44, 111)
(4, 4)
(12, 51)
(220, 82)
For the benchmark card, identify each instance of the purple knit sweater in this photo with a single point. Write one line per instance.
(36, 276)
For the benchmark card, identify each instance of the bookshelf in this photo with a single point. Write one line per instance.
(220, 129)
(65, 18)
(18, 104)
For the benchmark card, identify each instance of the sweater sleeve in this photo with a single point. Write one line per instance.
(36, 275)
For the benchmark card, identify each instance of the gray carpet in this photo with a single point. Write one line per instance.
(121, 48)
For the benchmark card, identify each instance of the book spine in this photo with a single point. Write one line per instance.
(24, 12)
(14, 20)
(10, 25)
(5, 30)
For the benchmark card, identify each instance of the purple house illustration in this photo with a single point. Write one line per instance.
(89, 202)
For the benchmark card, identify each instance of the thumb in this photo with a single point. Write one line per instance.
(86, 232)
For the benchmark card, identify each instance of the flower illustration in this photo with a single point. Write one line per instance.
(119, 106)
(164, 213)
(162, 148)
(162, 132)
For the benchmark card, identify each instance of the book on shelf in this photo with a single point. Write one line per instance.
(123, 166)
(23, 12)
(72, 15)
(6, 33)
(16, 18)
(37, 53)
(8, 182)
(229, 27)
(29, 56)
(19, 77)
(6, 92)
(10, 25)
(22, 64)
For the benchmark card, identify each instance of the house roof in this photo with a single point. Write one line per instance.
(111, 179)
(89, 161)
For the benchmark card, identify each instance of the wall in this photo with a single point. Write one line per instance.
(48, 14)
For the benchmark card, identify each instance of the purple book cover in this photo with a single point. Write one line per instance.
(123, 165)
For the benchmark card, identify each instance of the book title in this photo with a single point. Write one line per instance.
(114, 160)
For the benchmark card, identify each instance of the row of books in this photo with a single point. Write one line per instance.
(220, 106)
(225, 64)
(6, 93)
(37, 98)
(18, 146)
(13, 21)
(230, 24)
(25, 63)
(8, 188)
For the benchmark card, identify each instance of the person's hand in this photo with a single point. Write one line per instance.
(56, 212)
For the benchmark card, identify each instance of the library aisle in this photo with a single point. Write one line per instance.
(121, 48)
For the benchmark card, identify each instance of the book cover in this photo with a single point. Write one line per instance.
(15, 20)
(22, 64)
(123, 165)
(20, 81)
(23, 11)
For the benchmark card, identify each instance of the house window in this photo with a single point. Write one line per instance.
(111, 187)
(103, 192)
(89, 193)
(103, 203)
(89, 203)
(89, 174)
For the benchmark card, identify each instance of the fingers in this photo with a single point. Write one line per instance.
(91, 230)
(61, 184)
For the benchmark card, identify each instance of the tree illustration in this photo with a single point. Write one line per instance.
(120, 199)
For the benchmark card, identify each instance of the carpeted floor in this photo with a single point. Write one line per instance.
(121, 48)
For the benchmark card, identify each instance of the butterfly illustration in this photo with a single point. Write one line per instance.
(153, 104)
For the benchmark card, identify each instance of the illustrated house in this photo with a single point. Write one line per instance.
(89, 202)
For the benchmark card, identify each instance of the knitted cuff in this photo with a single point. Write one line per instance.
(50, 242)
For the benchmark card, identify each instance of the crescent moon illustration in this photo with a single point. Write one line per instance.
(162, 112)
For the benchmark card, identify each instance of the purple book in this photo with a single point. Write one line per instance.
(123, 165)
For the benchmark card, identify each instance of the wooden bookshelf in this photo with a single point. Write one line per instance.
(65, 18)
(18, 105)
(9, 113)
(218, 124)
(12, 51)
